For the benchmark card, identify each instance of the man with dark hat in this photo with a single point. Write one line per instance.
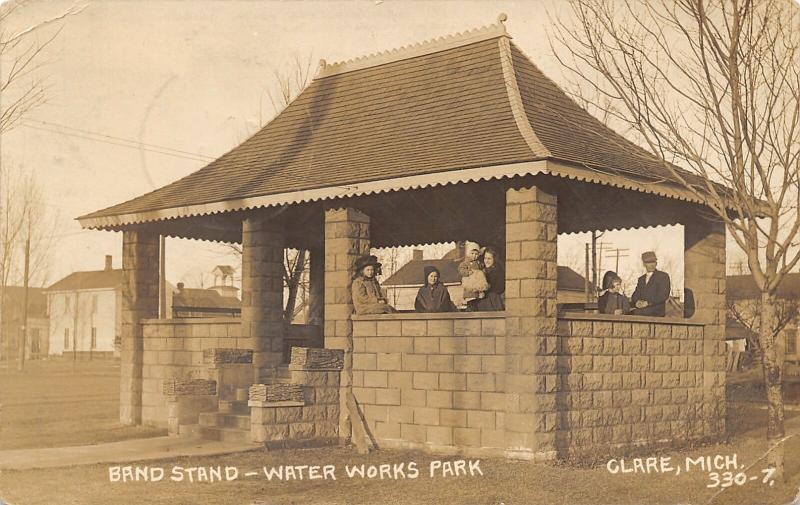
(366, 291)
(652, 289)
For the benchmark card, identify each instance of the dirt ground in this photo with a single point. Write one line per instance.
(54, 403)
(502, 481)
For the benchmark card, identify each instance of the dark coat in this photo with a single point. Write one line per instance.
(655, 292)
(434, 298)
(493, 298)
(609, 302)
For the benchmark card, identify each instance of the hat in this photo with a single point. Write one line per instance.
(471, 246)
(429, 270)
(609, 278)
(649, 257)
(365, 261)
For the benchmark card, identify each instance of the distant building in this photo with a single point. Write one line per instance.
(402, 286)
(199, 302)
(223, 281)
(84, 310)
(742, 291)
(12, 323)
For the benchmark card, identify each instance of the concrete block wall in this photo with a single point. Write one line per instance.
(434, 381)
(622, 383)
(173, 349)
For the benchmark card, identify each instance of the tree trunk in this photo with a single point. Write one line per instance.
(772, 365)
(294, 282)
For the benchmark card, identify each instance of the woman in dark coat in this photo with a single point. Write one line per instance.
(612, 300)
(495, 274)
(433, 296)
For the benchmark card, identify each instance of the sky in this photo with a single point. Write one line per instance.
(192, 76)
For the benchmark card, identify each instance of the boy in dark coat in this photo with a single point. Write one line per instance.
(433, 296)
(652, 289)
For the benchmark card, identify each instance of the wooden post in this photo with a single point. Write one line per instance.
(23, 337)
(162, 279)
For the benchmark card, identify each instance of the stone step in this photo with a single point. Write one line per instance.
(222, 420)
(224, 434)
(238, 407)
(189, 430)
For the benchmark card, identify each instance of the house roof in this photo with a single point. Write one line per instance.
(96, 279)
(14, 295)
(413, 274)
(203, 299)
(224, 269)
(743, 287)
(457, 109)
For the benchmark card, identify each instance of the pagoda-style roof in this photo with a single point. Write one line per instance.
(462, 108)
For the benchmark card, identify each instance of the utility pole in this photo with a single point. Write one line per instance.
(586, 283)
(75, 331)
(618, 256)
(162, 279)
(24, 336)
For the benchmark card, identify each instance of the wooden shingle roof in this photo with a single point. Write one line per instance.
(462, 108)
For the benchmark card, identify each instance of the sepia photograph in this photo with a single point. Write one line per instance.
(500, 252)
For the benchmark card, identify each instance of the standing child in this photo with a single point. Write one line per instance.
(473, 279)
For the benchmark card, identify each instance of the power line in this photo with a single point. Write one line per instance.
(198, 158)
(137, 142)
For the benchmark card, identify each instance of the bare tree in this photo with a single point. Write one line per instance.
(712, 86)
(22, 88)
(748, 314)
(23, 218)
(284, 87)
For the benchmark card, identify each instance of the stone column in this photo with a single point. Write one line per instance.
(531, 342)
(262, 292)
(704, 288)
(346, 238)
(140, 265)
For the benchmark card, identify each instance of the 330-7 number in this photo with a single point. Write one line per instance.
(728, 479)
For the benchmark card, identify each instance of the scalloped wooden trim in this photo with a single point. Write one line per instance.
(431, 46)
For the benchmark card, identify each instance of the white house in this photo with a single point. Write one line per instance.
(84, 310)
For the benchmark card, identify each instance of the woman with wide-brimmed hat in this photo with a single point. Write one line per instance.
(433, 295)
(367, 296)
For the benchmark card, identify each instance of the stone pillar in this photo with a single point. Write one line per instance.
(316, 281)
(531, 342)
(140, 265)
(346, 238)
(262, 292)
(704, 288)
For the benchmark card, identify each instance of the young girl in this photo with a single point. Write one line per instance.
(612, 300)
(367, 296)
(433, 296)
(473, 279)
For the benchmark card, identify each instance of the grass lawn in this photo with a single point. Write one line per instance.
(503, 481)
(52, 404)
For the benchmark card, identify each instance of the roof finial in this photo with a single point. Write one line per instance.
(502, 18)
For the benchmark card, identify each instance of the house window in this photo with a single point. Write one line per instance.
(791, 341)
(94, 338)
(67, 303)
(94, 304)
(66, 338)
